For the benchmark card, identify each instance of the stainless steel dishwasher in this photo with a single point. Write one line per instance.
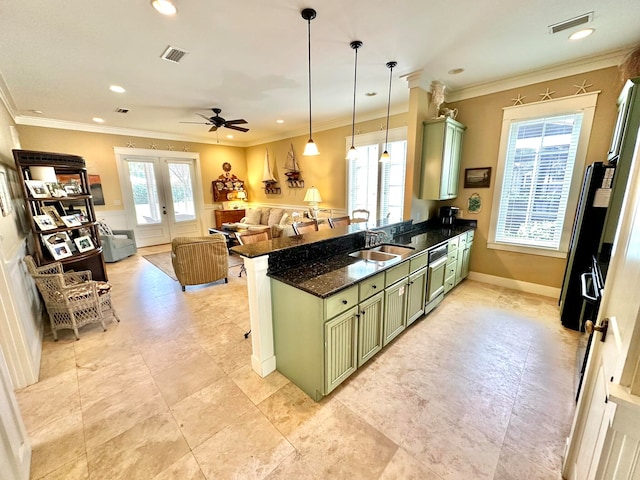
(435, 282)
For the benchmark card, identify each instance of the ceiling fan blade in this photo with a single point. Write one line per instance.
(240, 129)
(233, 122)
(199, 123)
(203, 116)
(213, 129)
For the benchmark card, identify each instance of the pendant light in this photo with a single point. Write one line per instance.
(352, 154)
(310, 148)
(385, 155)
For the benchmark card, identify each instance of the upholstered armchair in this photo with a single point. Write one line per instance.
(198, 260)
(116, 244)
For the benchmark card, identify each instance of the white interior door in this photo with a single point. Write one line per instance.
(598, 437)
(162, 198)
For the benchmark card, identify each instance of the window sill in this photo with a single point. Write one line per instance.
(527, 250)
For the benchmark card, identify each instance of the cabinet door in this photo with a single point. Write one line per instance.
(436, 279)
(370, 315)
(416, 297)
(454, 161)
(395, 309)
(341, 348)
(466, 258)
(447, 161)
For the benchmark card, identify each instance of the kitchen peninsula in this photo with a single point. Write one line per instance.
(298, 287)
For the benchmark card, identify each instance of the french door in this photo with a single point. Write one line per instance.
(161, 196)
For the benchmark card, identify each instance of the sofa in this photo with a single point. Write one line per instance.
(278, 220)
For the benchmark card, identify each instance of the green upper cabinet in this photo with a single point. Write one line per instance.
(441, 153)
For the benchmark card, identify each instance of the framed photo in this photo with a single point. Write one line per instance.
(44, 222)
(71, 220)
(82, 217)
(37, 188)
(72, 189)
(477, 177)
(56, 190)
(84, 243)
(53, 213)
(60, 250)
(5, 195)
(57, 238)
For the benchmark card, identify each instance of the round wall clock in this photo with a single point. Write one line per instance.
(226, 166)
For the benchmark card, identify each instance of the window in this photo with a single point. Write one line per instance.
(542, 155)
(374, 186)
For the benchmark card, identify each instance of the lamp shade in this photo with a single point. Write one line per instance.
(313, 195)
(310, 149)
(242, 195)
(44, 174)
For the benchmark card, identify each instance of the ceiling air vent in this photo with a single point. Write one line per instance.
(173, 54)
(122, 110)
(573, 22)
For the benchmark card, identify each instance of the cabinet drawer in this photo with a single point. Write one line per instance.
(470, 235)
(452, 256)
(371, 286)
(462, 242)
(450, 270)
(342, 301)
(453, 244)
(416, 263)
(396, 273)
(449, 283)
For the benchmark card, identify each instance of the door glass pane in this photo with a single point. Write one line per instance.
(145, 192)
(181, 192)
(363, 181)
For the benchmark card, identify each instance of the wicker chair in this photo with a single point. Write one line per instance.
(72, 299)
(198, 260)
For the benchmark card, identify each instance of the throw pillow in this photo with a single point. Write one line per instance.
(275, 216)
(264, 218)
(104, 229)
(286, 219)
(252, 215)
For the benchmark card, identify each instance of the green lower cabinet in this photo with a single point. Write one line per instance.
(341, 348)
(466, 258)
(370, 315)
(417, 289)
(395, 309)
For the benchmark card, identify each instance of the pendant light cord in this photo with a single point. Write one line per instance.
(386, 138)
(355, 78)
(309, 46)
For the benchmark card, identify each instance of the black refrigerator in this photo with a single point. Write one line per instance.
(585, 239)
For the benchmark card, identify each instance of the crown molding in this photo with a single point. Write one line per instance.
(576, 67)
(6, 98)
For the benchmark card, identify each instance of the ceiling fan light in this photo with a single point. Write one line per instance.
(385, 157)
(164, 7)
(310, 149)
(352, 154)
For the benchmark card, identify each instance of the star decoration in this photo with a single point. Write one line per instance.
(170, 148)
(546, 95)
(518, 101)
(185, 148)
(131, 144)
(582, 88)
(153, 146)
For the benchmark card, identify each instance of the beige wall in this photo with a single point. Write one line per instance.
(97, 150)
(327, 171)
(483, 118)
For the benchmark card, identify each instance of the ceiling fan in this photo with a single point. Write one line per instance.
(217, 121)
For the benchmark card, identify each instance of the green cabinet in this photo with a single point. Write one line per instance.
(370, 319)
(452, 264)
(441, 153)
(395, 303)
(341, 348)
(416, 295)
(466, 254)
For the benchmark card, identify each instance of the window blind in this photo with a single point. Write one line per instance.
(539, 162)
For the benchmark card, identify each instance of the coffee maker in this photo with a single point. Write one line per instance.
(448, 215)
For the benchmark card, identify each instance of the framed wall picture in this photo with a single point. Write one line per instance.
(477, 177)
(37, 188)
(44, 222)
(84, 243)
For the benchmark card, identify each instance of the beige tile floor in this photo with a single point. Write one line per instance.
(482, 388)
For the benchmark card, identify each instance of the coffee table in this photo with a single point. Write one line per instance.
(230, 236)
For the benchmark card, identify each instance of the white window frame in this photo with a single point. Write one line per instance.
(395, 135)
(585, 103)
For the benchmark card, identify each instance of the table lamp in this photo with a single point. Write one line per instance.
(313, 197)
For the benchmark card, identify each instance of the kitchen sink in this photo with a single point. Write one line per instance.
(374, 255)
(403, 252)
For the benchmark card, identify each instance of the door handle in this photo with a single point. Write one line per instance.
(164, 210)
(602, 328)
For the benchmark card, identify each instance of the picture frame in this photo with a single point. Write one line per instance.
(71, 220)
(56, 190)
(37, 189)
(60, 250)
(5, 195)
(53, 213)
(57, 238)
(72, 189)
(477, 177)
(84, 243)
(44, 222)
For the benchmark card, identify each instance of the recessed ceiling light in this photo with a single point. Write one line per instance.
(581, 34)
(165, 7)
(98, 120)
(279, 121)
(455, 71)
(370, 94)
(229, 136)
(117, 89)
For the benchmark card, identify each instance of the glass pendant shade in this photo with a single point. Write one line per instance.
(352, 153)
(384, 158)
(310, 149)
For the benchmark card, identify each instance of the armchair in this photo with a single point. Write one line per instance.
(198, 260)
(72, 299)
(117, 244)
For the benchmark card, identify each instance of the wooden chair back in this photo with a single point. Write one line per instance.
(339, 222)
(304, 227)
(252, 236)
(360, 215)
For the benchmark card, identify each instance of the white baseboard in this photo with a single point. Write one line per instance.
(519, 285)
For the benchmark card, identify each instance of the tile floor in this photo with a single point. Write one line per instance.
(482, 388)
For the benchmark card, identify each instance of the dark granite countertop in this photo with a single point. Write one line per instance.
(331, 274)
